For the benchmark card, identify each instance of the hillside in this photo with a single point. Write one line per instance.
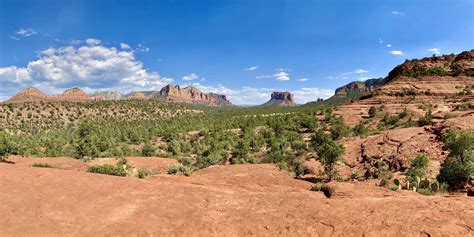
(442, 84)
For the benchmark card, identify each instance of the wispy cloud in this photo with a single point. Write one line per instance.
(93, 42)
(357, 71)
(303, 79)
(398, 13)
(142, 48)
(389, 45)
(23, 33)
(251, 68)
(281, 74)
(338, 77)
(434, 51)
(190, 77)
(396, 52)
(380, 41)
(124, 46)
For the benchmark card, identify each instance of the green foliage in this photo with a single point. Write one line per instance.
(458, 168)
(86, 144)
(372, 112)
(426, 120)
(317, 186)
(394, 187)
(148, 149)
(42, 165)
(107, 169)
(7, 146)
(339, 129)
(425, 191)
(180, 169)
(417, 168)
(329, 154)
(142, 173)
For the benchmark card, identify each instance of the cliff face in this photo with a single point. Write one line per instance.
(281, 99)
(442, 82)
(191, 94)
(359, 87)
(447, 65)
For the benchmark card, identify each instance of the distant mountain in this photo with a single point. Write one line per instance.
(359, 87)
(32, 94)
(169, 93)
(281, 99)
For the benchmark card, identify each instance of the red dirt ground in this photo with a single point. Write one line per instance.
(232, 200)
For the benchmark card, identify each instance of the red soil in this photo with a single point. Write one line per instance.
(232, 200)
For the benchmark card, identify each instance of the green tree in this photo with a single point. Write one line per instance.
(458, 168)
(86, 142)
(329, 154)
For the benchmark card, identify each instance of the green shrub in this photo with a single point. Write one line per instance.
(317, 186)
(417, 168)
(329, 154)
(393, 187)
(148, 149)
(425, 191)
(180, 169)
(108, 170)
(142, 173)
(372, 112)
(458, 168)
(42, 165)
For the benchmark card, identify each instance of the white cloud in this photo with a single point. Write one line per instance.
(124, 46)
(23, 33)
(76, 42)
(338, 77)
(256, 96)
(92, 66)
(93, 42)
(434, 51)
(281, 76)
(190, 77)
(380, 41)
(303, 79)
(395, 52)
(389, 45)
(359, 71)
(398, 13)
(251, 68)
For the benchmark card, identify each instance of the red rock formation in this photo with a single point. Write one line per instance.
(281, 99)
(191, 94)
(30, 94)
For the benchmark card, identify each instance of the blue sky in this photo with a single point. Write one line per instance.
(244, 49)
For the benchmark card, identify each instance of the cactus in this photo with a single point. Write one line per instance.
(424, 184)
(417, 180)
(408, 185)
(434, 186)
(414, 185)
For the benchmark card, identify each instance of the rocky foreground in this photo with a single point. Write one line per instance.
(236, 200)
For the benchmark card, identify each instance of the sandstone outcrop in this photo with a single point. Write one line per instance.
(281, 99)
